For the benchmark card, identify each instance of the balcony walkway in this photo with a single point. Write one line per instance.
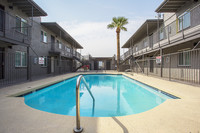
(173, 116)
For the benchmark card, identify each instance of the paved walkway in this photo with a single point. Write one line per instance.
(173, 116)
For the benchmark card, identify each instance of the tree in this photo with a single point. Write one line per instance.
(118, 23)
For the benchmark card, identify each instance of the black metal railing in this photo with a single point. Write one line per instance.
(183, 27)
(14, 28)
(181, 66)
(14, 67)
(64, 50)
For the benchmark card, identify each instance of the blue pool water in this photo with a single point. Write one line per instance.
(115, 95)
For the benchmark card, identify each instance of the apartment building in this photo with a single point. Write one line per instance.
(29, 48)
(169, 45)
(100, 63)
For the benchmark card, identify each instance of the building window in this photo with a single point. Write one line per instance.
(20, 59)
(45, 61)
(2, 19)
(145, 43)
(184, 58)
(60, 45)
(43, 37)
(161, 33)
(136, 48)
(21, 25)
(184, 21)
(67, 49)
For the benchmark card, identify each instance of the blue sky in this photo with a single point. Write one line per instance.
(86, 20)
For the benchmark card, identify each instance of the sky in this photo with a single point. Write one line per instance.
(86, 21)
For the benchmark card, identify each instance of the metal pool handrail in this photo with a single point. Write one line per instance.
(78, 128)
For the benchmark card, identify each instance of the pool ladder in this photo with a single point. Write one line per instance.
(78, 128)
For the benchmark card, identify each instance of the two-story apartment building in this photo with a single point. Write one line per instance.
(56, 46)
(30, 48)
(15, 37)
(168, 47)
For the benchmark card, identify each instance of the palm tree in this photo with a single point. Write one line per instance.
(118, 23)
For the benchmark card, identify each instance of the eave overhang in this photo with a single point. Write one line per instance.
(147, 28)
(171, 5)
(29, 7)
(58, 30)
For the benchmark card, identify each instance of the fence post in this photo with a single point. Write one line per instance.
(28, 64)
(161, 63)
(147, 66)
(30, 68)
(169, 66)
(54, 63)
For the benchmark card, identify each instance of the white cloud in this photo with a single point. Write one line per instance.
(96, 39)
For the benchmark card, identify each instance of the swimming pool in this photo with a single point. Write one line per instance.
(115, 95)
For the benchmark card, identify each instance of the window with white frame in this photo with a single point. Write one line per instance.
(43, 37)
(20, 59)
(184, 21)
(145, 43)
(21, 25)
(45, 61)
(136, 48)
(57, 43)
(184, 58)
(60, 45)
(68, 50)
(161, 33)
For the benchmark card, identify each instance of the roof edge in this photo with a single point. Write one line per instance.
(161, 5)
(147, 21)
(38, 7)
(54, 23)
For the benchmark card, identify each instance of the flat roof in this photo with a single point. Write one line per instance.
(171, 5)
(141, 33)
(102, 58)
(57, 29)
(27, 6)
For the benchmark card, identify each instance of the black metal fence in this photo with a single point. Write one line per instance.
(18, 67)
(182, 66)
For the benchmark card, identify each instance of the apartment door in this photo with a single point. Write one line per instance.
(107, 65)
(151, 64)
(52, 42)
(52, 64)
(2, 18)
(2, 63)
(151, 40)
(96, 65)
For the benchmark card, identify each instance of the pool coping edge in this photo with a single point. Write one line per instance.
(25, 92)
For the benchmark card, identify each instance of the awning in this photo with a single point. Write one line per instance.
(58, 30)
(27, 6)
(141, 33)
(171, 5)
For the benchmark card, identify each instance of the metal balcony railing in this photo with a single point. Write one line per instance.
(64, 51)
(14, 29)
(77, 55)
(184, 26)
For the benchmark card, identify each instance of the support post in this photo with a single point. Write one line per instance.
(161, 64)
(170, 67)
(147, 66)
(143, 62)
(28, 64)
(168, 29)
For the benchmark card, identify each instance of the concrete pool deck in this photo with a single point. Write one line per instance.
(173, 116)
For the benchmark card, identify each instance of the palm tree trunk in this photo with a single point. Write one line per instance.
(118, 49)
